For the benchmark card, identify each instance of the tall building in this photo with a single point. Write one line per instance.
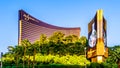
(31, 28)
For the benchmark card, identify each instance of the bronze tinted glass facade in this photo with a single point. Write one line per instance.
(31, 28)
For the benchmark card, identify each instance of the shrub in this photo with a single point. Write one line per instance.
(102, 65)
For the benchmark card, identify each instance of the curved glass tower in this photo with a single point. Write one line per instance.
(31, 28)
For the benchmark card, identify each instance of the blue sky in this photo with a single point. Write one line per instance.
(64, 13)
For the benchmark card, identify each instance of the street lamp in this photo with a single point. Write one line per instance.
(85, 51)
(1, 58)
(85, 57)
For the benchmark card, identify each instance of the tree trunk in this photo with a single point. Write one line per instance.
(17, 61)
(118, 63)
(24, 58)
(34, 57)
(29, 61)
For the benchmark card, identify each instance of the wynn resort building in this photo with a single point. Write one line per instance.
(31, 28)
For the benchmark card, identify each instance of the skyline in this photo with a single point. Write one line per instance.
(69, 13)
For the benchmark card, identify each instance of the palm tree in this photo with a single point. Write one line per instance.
(20, 52)
(25, 43)
(29, 53)
(17, 52)
(35, 49)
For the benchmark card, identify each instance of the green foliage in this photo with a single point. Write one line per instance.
(47, 66)
(102, 65)
(71, 39)
(60, 44)
(57, 37)
(56, 49)
(56, 59)
(91, 65)
(8, 58)
(83, 40)
(114, 54)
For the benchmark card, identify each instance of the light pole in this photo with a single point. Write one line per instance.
(85, 57)
(1, 58)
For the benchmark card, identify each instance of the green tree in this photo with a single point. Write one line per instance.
(17, 51)
(83, 40)
(25, 43)
(43, 43)
(8, 58)
(57, 37)
(56, 42)
(71, 38)
(35, 49)
(114, 54)
(29, 53)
